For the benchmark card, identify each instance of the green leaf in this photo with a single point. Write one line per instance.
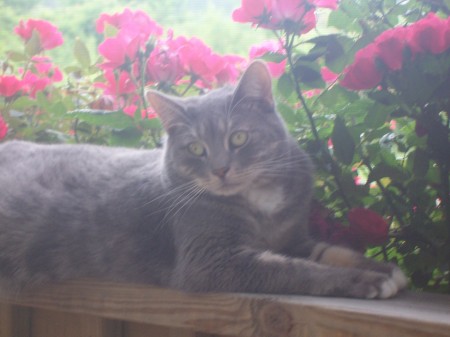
(16, 56)
(308, 73)
(383, 170)
(112, 119)
(33, 45)
(81, 53)
(288, 114)
(126, 137)
(23, 103)
(376, 116)
(421, 162)
(343, 144)
(273, 57)
(285, 86)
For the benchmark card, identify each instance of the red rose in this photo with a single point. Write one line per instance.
(367, 226)
(9, 85)
(3, 128)
(362, 73)
(390, 45)
(49, 35)
(428, 35)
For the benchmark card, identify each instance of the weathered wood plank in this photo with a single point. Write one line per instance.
(50, 323)
(14, 321)
(408, 315)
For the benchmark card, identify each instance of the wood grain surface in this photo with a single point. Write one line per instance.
(112, 310)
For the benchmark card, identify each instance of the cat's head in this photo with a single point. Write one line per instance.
(227, 139)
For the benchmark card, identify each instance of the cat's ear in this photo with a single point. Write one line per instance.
(256, 82)
(170, 112)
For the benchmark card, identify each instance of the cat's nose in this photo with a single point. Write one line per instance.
(221, 172)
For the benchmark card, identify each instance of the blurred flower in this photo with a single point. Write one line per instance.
(270, 46)
(164, 64)
(49, 35)
(119, 50)
(3, 128)
(254, 11)
(362, 73)
(367, 226)
(390, 46)
(199, 61)
(429, 35)
(117, 83)
(137, 22)
(9, 85)
(232, 68)
(297, 16)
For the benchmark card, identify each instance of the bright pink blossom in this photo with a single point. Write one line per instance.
(49, 35)
(331, 4)
(429, 35)
(9, 85)
(390, 46)
(254, 11)
(327, 75)
(3, 128)
(132, 21)
(199, 61)
(363, 73)
(164, 64)
(270, 46)
(119, 50)
(117, 83)
(233, 66)
(45, 68)
(32, 83)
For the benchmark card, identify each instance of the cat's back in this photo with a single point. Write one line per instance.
(49, 175)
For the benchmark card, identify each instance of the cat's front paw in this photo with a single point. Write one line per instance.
(370, 285)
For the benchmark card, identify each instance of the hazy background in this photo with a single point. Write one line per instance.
(209, 20)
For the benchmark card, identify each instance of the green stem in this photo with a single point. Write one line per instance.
(328, 158)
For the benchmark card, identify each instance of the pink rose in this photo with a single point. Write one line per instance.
(45, 68)
(3, 128)
(119, 50)
(199, 61)
(428, 35)
(254, 11)
(367, 226)
(363, 73)
(117, 83)
(231, 70)
(390, 45)
(327, 75)
(271, 46)
(331, 4)
(49, 35)
(135, 21)
(9, 85)
(164, 63)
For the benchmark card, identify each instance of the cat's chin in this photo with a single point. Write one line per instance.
(226, 189)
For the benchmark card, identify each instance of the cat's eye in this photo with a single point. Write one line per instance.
(238, 138)
(197, 149)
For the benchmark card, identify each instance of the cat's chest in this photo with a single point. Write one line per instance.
(266, 200)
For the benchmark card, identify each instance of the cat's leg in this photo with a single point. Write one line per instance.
(339, 256)
(249, 270)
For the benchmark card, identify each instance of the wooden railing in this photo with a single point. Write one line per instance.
(85, 309)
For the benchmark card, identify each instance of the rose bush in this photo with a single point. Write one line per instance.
(363, 86)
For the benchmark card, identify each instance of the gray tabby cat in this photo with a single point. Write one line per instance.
(223, 207)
